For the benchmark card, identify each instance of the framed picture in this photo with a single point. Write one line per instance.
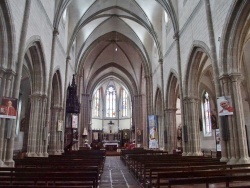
(8, 108)
(224, 104)
(74, 121)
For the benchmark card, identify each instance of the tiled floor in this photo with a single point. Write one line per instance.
(116, 175)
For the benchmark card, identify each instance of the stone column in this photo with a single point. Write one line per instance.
(53, 142)
(171, 129)
(35, 137)
(86, 110)
(149, 92)
(7, 125)
(228, 128)
(52, 60)
(178, 50)
(240, 131)
(162, 127)
(191, 117)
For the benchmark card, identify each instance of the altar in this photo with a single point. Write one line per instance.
(111, 145)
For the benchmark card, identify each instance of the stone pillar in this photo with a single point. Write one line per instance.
(36, 129)
(85, 113)
(191, 120)
(212, 47)
(19, 68)
(162, 127)
(54, 147)
(149, 94)
(239, 127)
(228, 144)
(52, 59)
(170, 114)
(178, 50)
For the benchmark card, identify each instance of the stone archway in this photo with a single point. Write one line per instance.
(198, 60)
(159, 113)
(172, 95)
(37, 136)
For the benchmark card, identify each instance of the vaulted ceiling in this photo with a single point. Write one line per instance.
(114, 38)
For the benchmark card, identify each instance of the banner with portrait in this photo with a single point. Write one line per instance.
(153, 132)
(8, 108)
(224, 104)
(74, 121)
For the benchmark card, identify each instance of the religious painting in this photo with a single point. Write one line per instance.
(153, 132)
(8, 108)
(224, 104)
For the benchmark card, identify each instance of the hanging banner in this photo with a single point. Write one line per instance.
(153, 132)
(224, 104)
(8, 108)
(74, 121)
(217, 137)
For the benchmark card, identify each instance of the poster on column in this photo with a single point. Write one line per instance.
(217, 137)
(8, 108)
(74, 121)
(224, 104)
(153, 132)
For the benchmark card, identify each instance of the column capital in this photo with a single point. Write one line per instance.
(170, 109)
(160, 61)
(191, 99)
(55, 32)
(38, 95)
(68, 58)
(176, 36)
(148, 76)
(235, 77)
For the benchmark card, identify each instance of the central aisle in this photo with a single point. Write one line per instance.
(116, 175)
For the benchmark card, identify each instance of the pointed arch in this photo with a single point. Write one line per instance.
(7, 37)
(172, 90)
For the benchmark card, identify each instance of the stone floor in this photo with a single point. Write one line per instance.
(116, 175)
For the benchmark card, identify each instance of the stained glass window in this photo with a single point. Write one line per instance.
(97, 103)
(206, 116)
(124, 100)
(111, 102)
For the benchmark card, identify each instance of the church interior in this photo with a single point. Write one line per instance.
(136, 80)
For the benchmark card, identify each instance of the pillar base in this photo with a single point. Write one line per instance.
(184, 154)
(233, 160)
(244, 160)
(198, 153)
(189, 154)
(31, 154)
(224, 159)
(10, 163)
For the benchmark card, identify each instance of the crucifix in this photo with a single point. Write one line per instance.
(110, 126)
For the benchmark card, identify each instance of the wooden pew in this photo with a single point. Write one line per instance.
(202, 177)
(69, 177)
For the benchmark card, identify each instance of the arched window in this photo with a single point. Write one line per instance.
(111, 102)
(97, 103)
(124, 98)
(206, 116)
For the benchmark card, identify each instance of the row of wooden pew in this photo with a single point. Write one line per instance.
(166, 170)
(77, 169)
